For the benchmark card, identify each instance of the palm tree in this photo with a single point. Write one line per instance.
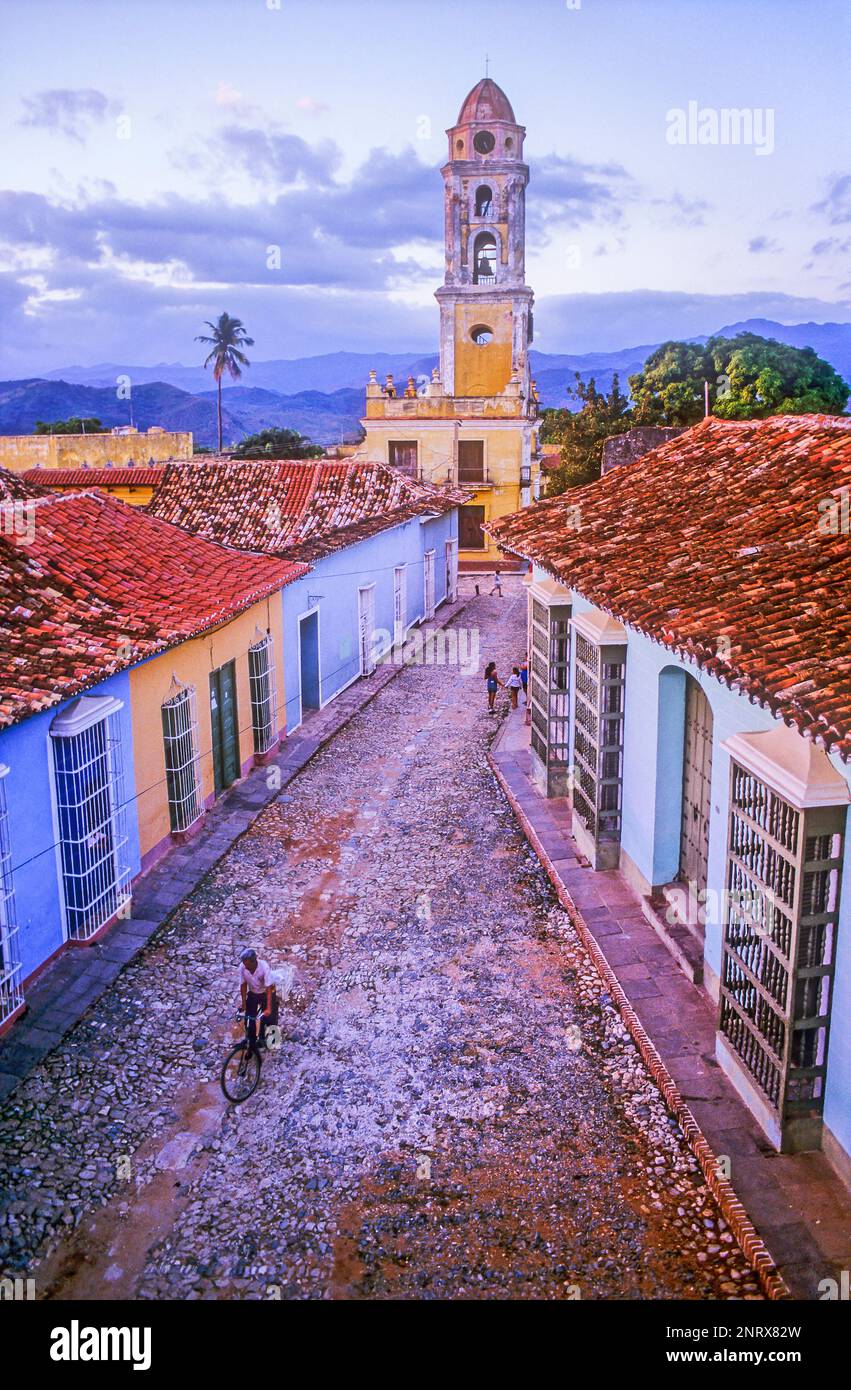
(227, 340)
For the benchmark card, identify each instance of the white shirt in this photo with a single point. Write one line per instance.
(260, 981)
(514, 682)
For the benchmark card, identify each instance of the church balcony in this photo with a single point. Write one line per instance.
(508, 405)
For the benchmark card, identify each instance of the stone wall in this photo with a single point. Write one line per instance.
(626, 448)
(19, 452)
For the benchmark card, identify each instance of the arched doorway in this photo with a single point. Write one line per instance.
(697, 784)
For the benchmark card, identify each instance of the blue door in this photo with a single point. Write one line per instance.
(309, 654)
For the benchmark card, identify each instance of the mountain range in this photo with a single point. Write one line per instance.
(322, 397)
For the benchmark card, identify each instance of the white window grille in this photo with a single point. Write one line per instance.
(400, 602)
(11, 993)
(428, 584)
(451, 549)
(784, 865)
(599, 689)
(549, 692)
(182, 761)
(366, 629)
(91, 814)
(264, 694)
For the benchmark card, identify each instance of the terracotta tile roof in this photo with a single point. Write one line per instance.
(99, 585)
(135, 475)
(301, 509)
(715, 546)
(16, 487)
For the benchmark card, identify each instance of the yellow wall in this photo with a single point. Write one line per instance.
(137, 496)
(483, 370)
(19, 452)
(437, 456)
(192, 662)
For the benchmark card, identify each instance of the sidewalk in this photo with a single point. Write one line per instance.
(78, 977)
(797, 1203)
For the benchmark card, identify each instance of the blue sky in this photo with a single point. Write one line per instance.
(154, 152)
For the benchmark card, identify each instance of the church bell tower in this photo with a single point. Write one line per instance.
(485, 303)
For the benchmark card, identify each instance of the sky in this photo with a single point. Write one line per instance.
(165, 160)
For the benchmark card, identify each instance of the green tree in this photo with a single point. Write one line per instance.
(228, 339)
(77, 424)
(277, 444)
(749, 377)
(669, 389)
(582, 433)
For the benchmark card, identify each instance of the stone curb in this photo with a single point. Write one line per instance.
(10, 1044)
(752, 1246)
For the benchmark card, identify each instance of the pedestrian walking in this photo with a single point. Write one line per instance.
(514, 685)
(524, 678)
(493, 682)
(497, 583)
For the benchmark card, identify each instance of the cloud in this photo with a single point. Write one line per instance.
(569, 190)
(312, 105)
(275, 157)
(759, 245)
(832, 245)
(836, 205)
(69, 112)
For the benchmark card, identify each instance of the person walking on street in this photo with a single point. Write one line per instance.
(497, 583)
(493, 683)
(524, 678)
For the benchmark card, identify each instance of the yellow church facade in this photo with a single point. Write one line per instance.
(474, 425)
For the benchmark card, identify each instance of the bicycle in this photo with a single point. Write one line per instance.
(240, 1074)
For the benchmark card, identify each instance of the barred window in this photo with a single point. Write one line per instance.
(263, 688)
(11, 993)
(90, 811)
(599, 676)
(182, 762)
(783, 877)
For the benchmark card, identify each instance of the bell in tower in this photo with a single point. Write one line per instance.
(485, 303)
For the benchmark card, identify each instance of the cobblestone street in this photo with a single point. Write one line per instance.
(456, 1109)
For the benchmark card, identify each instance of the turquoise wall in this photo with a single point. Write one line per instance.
(25, 748)
(332, 589)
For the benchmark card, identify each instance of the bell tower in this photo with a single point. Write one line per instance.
(485, 303)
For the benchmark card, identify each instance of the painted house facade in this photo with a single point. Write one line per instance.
(130, 655)
(382, 550)
(690, 692)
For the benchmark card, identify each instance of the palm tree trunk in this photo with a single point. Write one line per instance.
(219, 383)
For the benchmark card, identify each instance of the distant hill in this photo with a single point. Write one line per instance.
(323, 396)
(23, 403)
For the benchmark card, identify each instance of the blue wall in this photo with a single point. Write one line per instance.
(25, 748)
(333, 586)
(652, 797)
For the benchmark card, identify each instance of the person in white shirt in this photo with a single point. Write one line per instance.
(257, 991)
(514, 685)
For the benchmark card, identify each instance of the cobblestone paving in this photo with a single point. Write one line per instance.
(456, 1109)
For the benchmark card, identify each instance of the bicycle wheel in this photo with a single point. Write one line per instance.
(240, 1073)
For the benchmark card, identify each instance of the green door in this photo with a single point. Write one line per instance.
(225, 726)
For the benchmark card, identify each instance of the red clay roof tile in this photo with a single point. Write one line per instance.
(98, 585)
(300, 509)
(714, 544)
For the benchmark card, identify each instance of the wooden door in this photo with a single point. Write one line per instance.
(224, 727)
(697, 786)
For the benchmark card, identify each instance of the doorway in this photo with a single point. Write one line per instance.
(697, 787)
(308, 653)
(225, 727)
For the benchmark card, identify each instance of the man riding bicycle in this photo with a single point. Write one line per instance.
(258, 993)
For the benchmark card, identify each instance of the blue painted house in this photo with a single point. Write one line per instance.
(690, 691)
(94, 596)
(383, 551)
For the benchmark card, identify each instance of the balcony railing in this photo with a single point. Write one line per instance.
(484, 280)
(474, 475)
